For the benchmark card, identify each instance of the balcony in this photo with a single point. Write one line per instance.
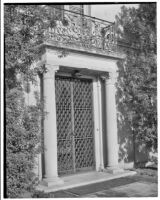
(81, 32)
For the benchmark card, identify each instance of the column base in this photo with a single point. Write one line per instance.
(52, 181)
(113, 170)
(100, 169)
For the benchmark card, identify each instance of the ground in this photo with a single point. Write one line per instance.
(143, 184)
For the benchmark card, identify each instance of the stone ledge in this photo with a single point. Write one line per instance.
(113, 170)
(51, 182)
(73, 181)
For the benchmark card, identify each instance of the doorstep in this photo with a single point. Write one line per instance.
(76, 180)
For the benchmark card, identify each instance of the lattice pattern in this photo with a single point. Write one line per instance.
(84, 153)
(82, 93)
(63, 112)
(83, 123)
(65, 156)
(74, 124)
(83, 129)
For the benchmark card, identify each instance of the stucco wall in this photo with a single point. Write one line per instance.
(131, 151)
(127, 155)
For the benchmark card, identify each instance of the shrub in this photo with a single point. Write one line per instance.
(22, 143)
(41, 194)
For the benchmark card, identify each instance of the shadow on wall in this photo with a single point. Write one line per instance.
(131, 152)
(125, 141)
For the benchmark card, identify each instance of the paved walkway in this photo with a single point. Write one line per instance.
(131, 186)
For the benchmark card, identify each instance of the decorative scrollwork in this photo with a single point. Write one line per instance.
(83, 31)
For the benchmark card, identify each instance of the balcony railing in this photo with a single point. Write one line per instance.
(81, 32)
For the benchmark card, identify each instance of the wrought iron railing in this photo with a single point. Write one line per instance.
(81, 31)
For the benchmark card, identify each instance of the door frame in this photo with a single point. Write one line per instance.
(97, 117)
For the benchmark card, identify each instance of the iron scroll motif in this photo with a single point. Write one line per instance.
(83, 31)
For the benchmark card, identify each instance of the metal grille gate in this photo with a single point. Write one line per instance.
(74, 125)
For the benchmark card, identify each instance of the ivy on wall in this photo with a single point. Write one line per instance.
(24, 34)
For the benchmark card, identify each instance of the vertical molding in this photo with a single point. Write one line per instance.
(73, 126)
(97, 99)
(40, 167)
(96, 124)
(100, 124)
(66, 7)
(89, 10)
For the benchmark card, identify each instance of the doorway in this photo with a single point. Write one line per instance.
(75, 128)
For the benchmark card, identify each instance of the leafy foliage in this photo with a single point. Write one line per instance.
(22, 143)
(23, 46)
(24, 32)
(137, 85)
(24, 28)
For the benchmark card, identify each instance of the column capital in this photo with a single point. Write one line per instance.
(50, 70)
(110, 79)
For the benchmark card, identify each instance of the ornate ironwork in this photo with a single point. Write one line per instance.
(76, 30)
(74, 125)
(83, 123)
(64, 126)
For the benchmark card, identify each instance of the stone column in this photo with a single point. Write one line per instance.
(111, 125)
(50, 128)
(97, 104)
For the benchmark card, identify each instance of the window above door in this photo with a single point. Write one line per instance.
(77, 8)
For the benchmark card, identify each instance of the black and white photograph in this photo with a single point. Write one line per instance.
(79, 99)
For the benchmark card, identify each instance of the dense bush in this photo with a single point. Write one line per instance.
(23, 37)
(22, 143)
(41, 194)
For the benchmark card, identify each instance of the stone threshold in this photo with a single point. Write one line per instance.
(77, 180)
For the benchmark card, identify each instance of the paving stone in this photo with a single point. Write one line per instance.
(106, 193)
(64, 194)
(130, 190)
(101, 186)
(138, 189)
(132, 186)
